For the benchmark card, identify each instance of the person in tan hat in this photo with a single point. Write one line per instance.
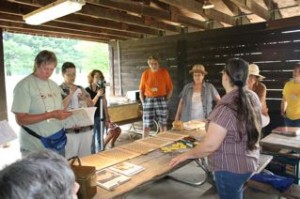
(197, 97)
(254, 83)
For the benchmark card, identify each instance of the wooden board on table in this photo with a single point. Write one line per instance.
(98, 161)
(156, 141)
(171, 136)
(119, 154)
(139, 147)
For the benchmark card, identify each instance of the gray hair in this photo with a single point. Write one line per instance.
(44, 57)
(40, 175)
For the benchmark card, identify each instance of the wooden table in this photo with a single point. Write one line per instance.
(281, 142)
(156, 164)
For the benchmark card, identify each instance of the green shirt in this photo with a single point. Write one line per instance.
(35, 96)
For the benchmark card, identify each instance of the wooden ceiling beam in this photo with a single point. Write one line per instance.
(239, 17)
(11, 25)
(109, 14)
(85, 20)
(50, 34)
(146, 10)
(254, 7)
(273, 9)
(196, 7)
(105, 13)
(84, 29)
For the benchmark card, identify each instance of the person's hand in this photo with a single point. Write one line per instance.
(61, 114)
(177, 160)
(100, 92)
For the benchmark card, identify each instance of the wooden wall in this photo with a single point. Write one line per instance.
(3, 108)
(274, 51)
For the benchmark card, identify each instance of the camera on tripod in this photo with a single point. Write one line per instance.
(101, 84)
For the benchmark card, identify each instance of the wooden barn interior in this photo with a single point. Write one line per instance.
(180, 33)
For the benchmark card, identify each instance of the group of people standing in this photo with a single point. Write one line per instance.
(41, 105)
(233, 122)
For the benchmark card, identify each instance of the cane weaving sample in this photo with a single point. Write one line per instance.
(139, 147)
(119, 154)
(171, 136)
(157, 141)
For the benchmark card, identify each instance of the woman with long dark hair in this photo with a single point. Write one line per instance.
(233, 132)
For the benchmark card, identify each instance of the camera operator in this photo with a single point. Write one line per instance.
(96, 90)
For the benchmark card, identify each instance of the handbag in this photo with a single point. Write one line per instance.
(56, 142)
(85, 177)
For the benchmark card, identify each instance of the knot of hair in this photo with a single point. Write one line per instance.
(239, 83)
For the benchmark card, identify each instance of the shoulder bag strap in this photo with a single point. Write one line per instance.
(31, 132)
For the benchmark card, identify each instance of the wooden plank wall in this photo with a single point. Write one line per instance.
(275, 51)
(3, 108)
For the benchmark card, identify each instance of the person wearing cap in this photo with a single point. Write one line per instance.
(155, 90)
(290, 104)
(254, 83)
(197, 97)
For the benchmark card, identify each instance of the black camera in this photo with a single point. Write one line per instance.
(101, 84)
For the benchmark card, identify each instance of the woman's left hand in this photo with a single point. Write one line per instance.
(178, 159)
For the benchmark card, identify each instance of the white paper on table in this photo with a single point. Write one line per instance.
(6, 132)
(80, 117)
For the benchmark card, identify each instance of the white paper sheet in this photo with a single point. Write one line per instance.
(80, 117)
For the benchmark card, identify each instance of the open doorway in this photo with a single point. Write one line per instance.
(19, 53)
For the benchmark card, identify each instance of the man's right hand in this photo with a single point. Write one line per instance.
(61, 114)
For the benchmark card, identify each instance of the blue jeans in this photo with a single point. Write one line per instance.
(97, 140)
(293, 123)
(230, 185)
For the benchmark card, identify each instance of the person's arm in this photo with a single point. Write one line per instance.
(67, 99)
(107, 117)
(85, 96)
(169, 85)
(100, 93)
(169, 95)
(26, 118)
(142, 96)
(179, 110)
(212, 141)
(284, 104)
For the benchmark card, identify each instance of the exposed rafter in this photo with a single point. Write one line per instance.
(105, 20)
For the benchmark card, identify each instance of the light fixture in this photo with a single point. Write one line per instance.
(53, 11)
(207, 5)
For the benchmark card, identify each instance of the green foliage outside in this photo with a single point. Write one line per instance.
(20, 51)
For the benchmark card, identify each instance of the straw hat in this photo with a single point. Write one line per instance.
(198, 68)
(254, 70)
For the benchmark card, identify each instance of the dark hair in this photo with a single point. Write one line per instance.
(44, 57)
(237, 71)
(297, 65)
(43, 174)
(92, 74)
(67, 65)
(152, 57)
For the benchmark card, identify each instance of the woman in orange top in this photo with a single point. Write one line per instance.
(155, 90)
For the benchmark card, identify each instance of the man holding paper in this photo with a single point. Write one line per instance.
(78, 128)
